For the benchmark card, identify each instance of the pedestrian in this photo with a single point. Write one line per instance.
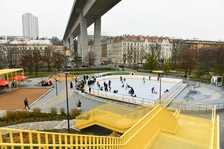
(71, 85)
(79, 104)
(26, 103)
(90, 90)
(153, 89)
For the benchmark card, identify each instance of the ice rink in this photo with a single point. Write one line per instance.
(142, 89)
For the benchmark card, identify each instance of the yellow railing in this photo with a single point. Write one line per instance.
(36, 139)
(159, 119)
(194, 109)
(114, 117)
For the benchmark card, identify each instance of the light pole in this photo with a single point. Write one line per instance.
(56, 83)
(66, 86)
(160, 89)
(98, 69)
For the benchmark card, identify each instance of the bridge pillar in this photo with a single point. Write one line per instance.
(78, 46)
(71, 45)
(97, 40)
(66, 43)
(84, 37)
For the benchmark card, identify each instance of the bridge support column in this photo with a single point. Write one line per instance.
(71, 45)
(66, 43)
(84, 37)
(97, 40)
(78, 46)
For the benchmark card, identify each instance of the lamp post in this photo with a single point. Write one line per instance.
(56, 83)
(98, 69)
(66, 85)
(160, 89)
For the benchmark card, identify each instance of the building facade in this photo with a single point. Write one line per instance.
(30, 26)
(131, 50)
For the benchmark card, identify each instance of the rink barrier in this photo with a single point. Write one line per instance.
(165, 99)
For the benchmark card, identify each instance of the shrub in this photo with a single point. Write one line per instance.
(53, 111)
(36, 113)
(74, 113)
(62, 111)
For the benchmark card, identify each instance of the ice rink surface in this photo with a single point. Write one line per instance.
(142, 89)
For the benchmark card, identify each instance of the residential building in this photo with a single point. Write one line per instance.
(131, 50)
(30, 26)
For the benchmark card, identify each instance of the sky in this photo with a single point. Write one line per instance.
(186, 19)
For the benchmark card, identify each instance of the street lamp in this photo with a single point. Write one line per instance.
(98, 69)
(66, 86)
(160, 89)
(56, 83)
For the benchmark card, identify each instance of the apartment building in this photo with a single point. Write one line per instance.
(128, 49)
(30, 26)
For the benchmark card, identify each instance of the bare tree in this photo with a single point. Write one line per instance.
(187, 60)
(90, 58)
(3, 57)
(205, 58)
(47, 57)
(27, 61)
(178, 45)
(59, 60)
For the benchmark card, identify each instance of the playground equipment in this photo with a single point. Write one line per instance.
(216, 80)
(191, 85)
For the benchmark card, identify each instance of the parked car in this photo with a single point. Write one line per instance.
(84, 65)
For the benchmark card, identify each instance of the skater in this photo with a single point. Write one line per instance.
(26, 103)
(143, 79)
(153, 89)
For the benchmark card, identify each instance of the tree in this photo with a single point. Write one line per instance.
(205, 59)
(37, 59)
(178, 45)
(3, 57)
(151, 62)
(27, 61)
(59, 60)
(187, 60)
(47, 57)
(77, 60)
(155, 50)
(167, 67)
(56, 41)
(201, 70)
(218, 62)
(90, 58)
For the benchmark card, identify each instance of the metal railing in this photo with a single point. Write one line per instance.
(194, 109)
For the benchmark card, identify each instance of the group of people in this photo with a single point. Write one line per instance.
(46, 83)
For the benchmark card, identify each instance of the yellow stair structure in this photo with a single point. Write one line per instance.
(141, 128)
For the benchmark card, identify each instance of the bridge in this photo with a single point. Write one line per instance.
(83, 14)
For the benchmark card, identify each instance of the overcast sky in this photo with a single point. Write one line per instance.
(187, 19)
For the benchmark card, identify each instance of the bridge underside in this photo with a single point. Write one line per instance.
(83, 14)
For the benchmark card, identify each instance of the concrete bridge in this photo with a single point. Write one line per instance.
(83, 14)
